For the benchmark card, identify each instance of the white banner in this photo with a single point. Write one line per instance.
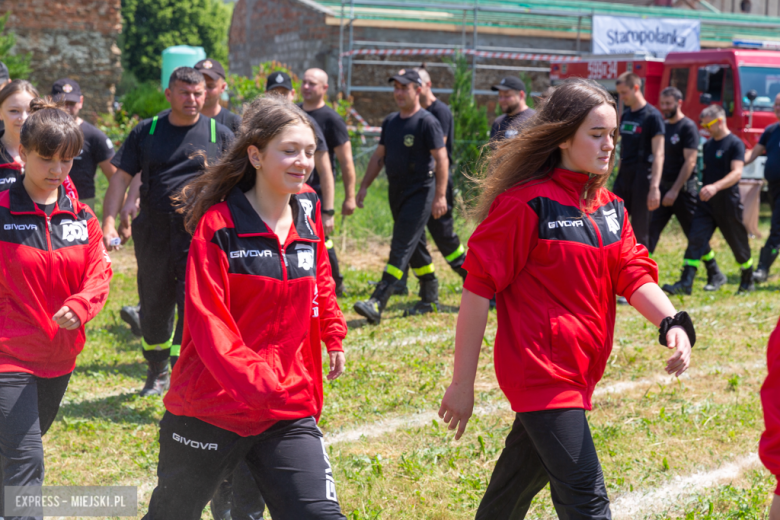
(656, 36)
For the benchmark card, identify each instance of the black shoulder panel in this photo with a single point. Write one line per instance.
(257, 256)
(26, 230)
(561, 222)
(609, 218)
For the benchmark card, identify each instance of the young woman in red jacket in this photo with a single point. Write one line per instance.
(54, 278)
(555, 248)
(769, 447)
(260, 301)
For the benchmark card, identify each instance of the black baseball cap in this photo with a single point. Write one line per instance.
(404, 77)
(4, 74)
(278, 79)
(211, 68)
(66, 89)
(510, 83)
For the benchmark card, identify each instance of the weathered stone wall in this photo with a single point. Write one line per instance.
(71, 38)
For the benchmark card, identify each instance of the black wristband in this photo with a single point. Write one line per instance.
(328, 212)
(680, 319)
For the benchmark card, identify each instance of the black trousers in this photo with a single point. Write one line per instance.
(411, 208)
(724, 212)
(632, 185)
(334, 261)
(552, 446)
(773, 242)
(288, 462)
(28, 407)
(683, 208)
(161, 248)
(442, 230)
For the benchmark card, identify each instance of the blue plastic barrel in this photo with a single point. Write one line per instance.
(179, 56)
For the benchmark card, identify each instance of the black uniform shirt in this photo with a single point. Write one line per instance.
(408, 144)
(770, 140)
(170, 165)
(322, 146)
(443, 114)
(679, 136)
(97, 148)
(637, 130)
(506, 126)
(229, 119)
(718, 156)
(333, 128)
(8, 175)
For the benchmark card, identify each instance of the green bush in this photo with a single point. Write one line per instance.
(242, 90)
(18, 66)
(145, 101)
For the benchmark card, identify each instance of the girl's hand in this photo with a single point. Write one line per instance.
(66, 319)
(457, 407)
(677, 339)
(337, 362)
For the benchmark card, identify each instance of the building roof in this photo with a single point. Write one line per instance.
(543, 17)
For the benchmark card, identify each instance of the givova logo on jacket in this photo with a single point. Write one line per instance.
(72, 231)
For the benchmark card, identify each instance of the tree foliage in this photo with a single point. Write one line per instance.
(18, 65)
(151, 26)
(471, 123)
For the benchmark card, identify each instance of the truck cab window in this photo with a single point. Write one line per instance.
(728, 92)
(765, 81)
(716, 83)
(678, 78)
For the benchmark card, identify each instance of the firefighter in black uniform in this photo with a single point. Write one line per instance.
(720, 205)
(641, 156)
(412, 149)
(769, 144)
(679, 190)
(162, 150)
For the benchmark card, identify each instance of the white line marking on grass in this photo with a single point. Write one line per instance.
(638, 504)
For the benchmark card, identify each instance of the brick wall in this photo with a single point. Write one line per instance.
(70, 38)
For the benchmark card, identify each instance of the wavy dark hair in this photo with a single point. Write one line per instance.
(264, 119)
(51, 131)
(534, 153)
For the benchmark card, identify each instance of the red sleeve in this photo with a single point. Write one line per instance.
(636, 267)
(94, 290)
(769, 446)
(499, 248)
(333, 326)
(237, 368)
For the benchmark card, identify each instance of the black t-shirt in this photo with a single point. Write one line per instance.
(408, 144)
(679, 136)
(47, 208)
(506, 126)
(333, 128)
(770, 140)
(718, 156)
(8, 174)
(97, 148)
(637, 130)
(443, 114)
(229, 119)
(322, 146)
(170, 165)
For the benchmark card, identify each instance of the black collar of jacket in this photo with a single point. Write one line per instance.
(22, 203)
(248, 222)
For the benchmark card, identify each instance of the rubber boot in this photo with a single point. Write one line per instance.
(372, 308)
(221, 501)
(132, 316)
(746, 283)
(462, 272)
(765, 261)
(685, 284)
(429, 298)
(340, 289)
(157, 378)
(715, 278)
(401, 288)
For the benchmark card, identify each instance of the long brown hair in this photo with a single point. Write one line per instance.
(263, 120)
(51, 131)
(534, 153)
(16, 86)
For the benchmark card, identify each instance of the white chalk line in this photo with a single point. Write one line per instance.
(632, 504)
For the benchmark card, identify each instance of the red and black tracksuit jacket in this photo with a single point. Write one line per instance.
(47, 262)
(555, 272)
(256, 314)
(11, 172)
(769, 446)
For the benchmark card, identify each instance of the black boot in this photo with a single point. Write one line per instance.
(221, 501)
(132, 316)
(372, 308)
(715, 279)
(429, 298)
(157, 378)
(462, 272)
(746, 283)
(340, 289)
(765, 261)
(400, 288)
(685, 284)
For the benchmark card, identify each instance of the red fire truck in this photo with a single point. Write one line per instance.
(744, 81)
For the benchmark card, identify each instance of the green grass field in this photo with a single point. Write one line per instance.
(670, 448)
